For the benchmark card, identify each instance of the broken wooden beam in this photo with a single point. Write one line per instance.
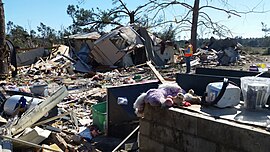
(157, 74)
(51, 119)
(26, 143)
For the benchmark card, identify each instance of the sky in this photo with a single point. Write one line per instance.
(29, 13)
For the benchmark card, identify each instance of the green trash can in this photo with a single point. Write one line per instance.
(99, 115)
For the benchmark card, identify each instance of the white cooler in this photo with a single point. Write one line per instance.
(230, 98)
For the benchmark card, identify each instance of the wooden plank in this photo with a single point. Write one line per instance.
(26, 143)
(51, 119)
(32, 115)
(157, 74)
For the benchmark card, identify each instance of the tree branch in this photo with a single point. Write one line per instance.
(118, 11)
(125, 7)
(216, 27)
(142, 6)
(166, 4)
(233, 12)
(166, 22)
(99, 22)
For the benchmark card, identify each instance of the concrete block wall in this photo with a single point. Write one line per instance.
(180, 130)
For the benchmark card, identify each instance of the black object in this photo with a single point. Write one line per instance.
(121, 118)
(228, 73)
(251, 97)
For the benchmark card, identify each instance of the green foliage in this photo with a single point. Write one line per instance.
(265, 29)
(168, 33)
(255, 42)
(255, 50)
(18, 35)
(95, 19)
(45, 37)
(91, 19)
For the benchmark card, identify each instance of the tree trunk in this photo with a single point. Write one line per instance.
(131, 17)
(3, 51)
(195, 24)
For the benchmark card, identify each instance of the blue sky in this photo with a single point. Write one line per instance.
(29, 13)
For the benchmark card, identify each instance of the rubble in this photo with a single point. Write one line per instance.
(219, 52)
(61, 87)
(59, 102)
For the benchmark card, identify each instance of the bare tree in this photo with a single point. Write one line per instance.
(97, 19)
(130, 13)
(3, 51)
(196, 16)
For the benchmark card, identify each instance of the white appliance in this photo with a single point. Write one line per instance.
(230, 98)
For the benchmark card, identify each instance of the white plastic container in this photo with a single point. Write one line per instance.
(255, 91)
(230, 98)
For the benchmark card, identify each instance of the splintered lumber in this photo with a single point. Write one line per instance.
(58, 140)
(53, 118)
(26, 143)
(157, 74)
(32, 115)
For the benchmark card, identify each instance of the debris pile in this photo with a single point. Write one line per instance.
(49, 104)
(220, 52)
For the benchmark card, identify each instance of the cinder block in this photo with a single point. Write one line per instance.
(182, 122)
(156, 114)
(218, 132)
(148, 145)
(167, 136)
(249, 140)
(233, 136)
(194, 144)
(187, 131)
(263, 142)
(222, 148)
(147, 112)
(170, 149)
(145, 127)
(169, 118)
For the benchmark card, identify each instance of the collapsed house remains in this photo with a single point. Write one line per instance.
(126, 47)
